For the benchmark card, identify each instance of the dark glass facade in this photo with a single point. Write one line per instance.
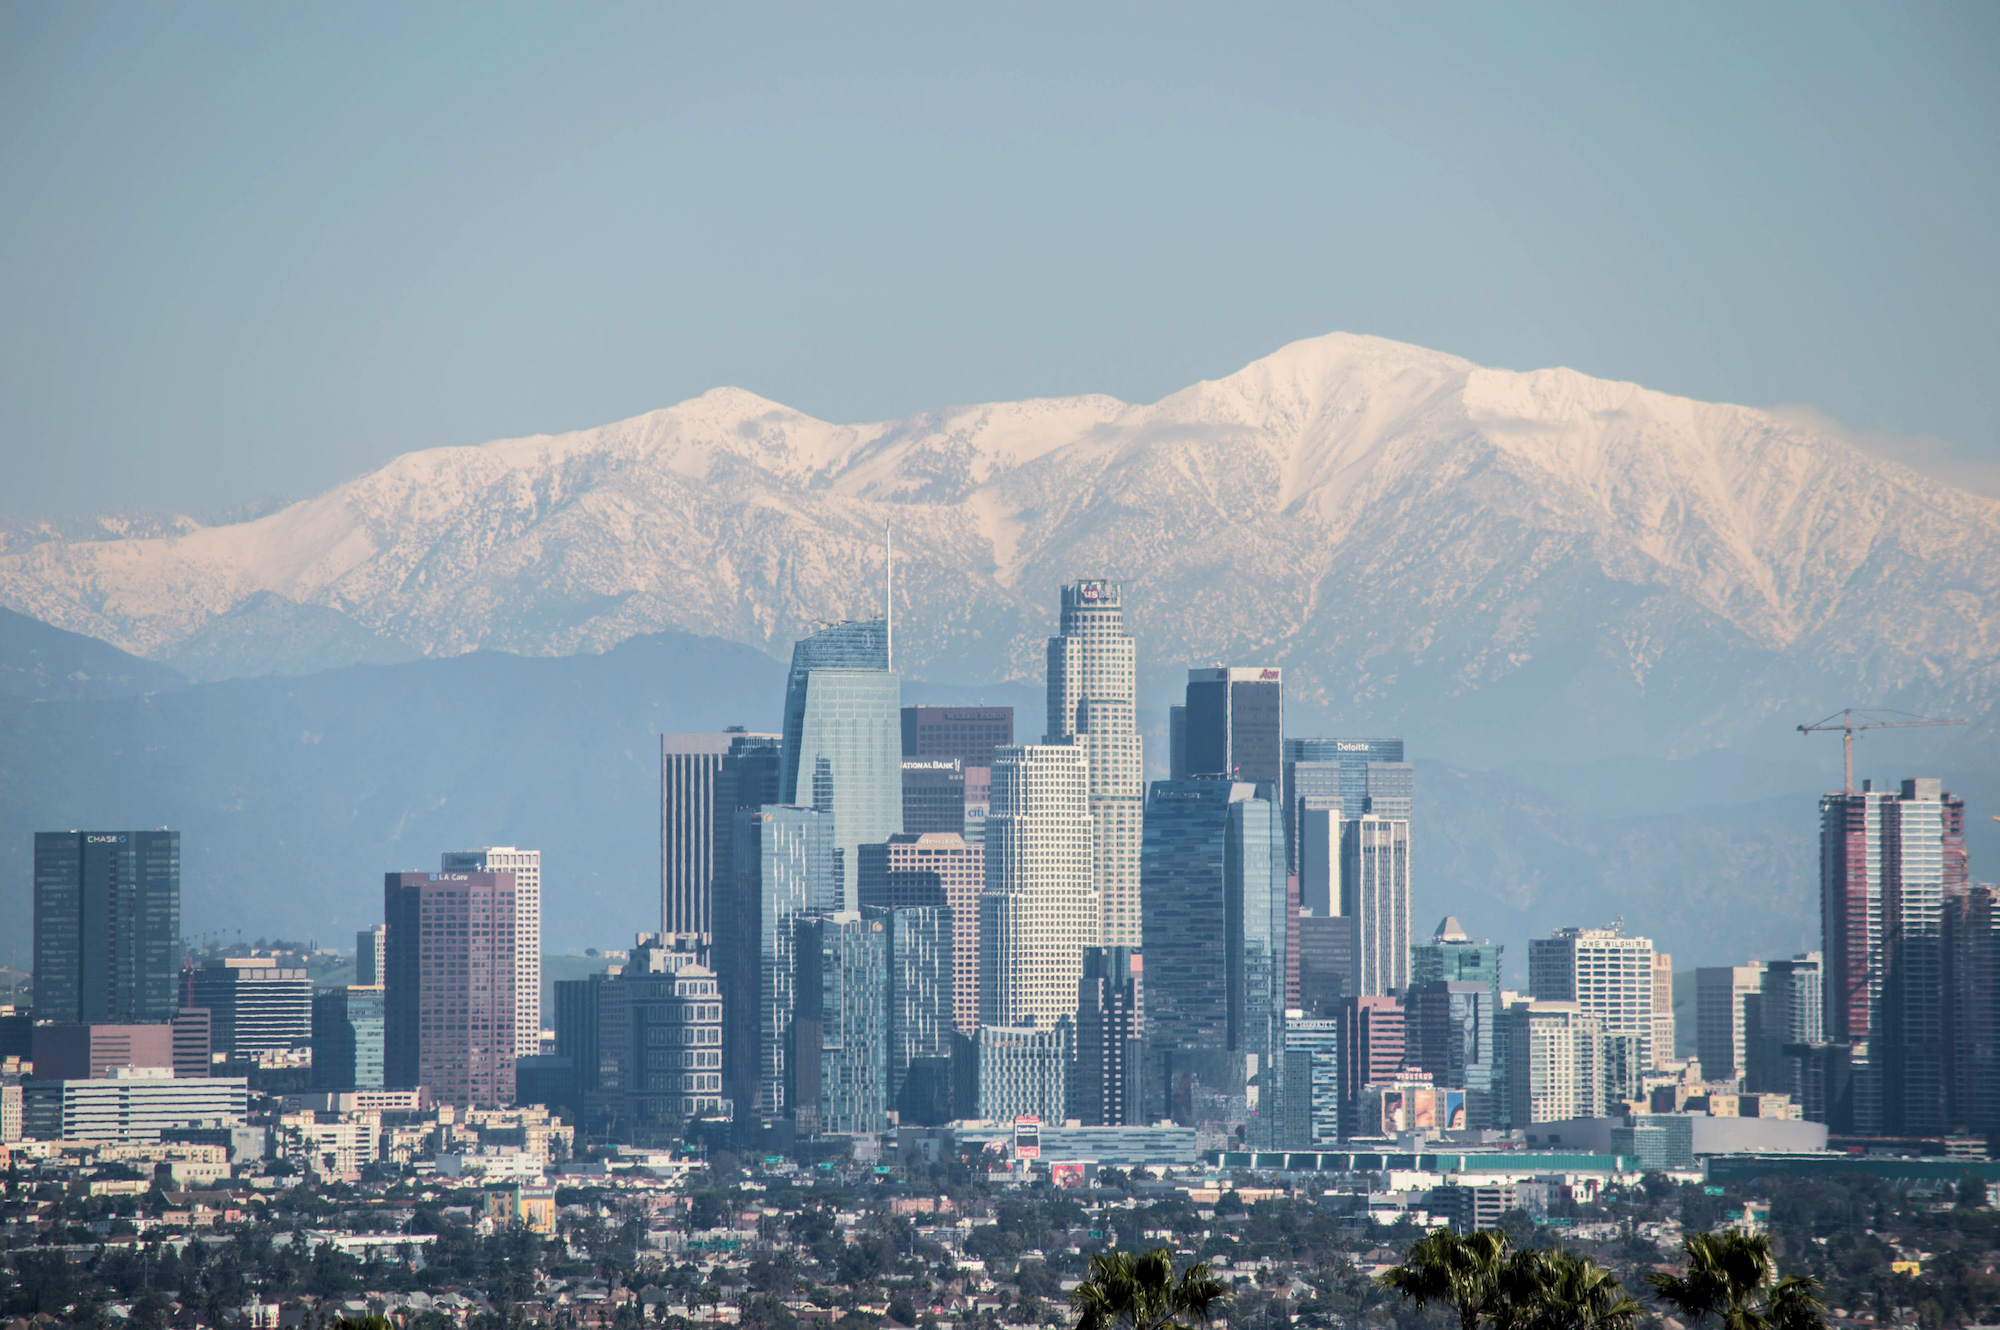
(107, 925)
(1234, 724)
(347, 1026)
(969, 734)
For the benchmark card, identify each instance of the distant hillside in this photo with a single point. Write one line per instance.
(41, 661)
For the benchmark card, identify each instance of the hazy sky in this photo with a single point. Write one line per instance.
(252, 250)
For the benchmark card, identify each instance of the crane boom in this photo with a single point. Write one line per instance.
(1845, 722)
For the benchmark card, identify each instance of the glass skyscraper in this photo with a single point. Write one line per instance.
(920, 1005)
(843, 739)
(107, 925)
(347, 1026)
(1351, 776)
(1451, 954)
(841, 1075)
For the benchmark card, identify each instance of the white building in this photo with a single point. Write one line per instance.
(1375, 893)
(1093, 698)
(1040, 909)
(1611, 977)
(131, 1104)
(526, 866)
(1023, 1072)
(346, 1145)
(1664, 1040)
(1549, 1053)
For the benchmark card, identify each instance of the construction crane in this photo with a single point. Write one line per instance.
(1845, 722)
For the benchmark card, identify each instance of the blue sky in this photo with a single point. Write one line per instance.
(252, 250)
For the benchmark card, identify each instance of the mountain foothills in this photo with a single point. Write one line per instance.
(1498, 565)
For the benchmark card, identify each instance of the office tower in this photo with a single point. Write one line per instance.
(579, 1003)
(1212, 871)
(933, 794)
(1092, 703)
(1450, 1035)
(841, 1066)
(1235, 724)
(84, 1052)
(969, 734)
(843, 742)
(1725, 996)
(130, 1106)
(1611, 977)
(1375, 893)
(371, 956)
(1791, 1011)
(1039, 910)
(1311, 1082)
(347, 1029)
(1326, 962)
(1548, 1053)
(448, 1020)
(934, 869)
(1372, 1039)
(254, 1004)
(1972, 1026)
(978, 802)
(1665, 1042)
(1023, 1071)
(1451, 954)
(658, 1038)
(107, 925)
(1177, 768)
(784, 870)
(1105, 1083)
(526, 866)
(194, 1042)
(690, 773)
(921, 1009)
(1342, 775)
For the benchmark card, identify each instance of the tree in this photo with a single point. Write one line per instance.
(1558, 1290)
(1447, 1269)
(1734, 1278)
(1128, 1292)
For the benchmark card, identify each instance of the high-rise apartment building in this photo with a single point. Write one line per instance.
(526, 866)
(843, 741)
(255, 1005)
(1040, 908)
(1549, 1053)
(1452, 954)
(1375, 893)
(936, 870)
(841, 1077)
(347, 1034)
(1024, 1071)
(784, 871)
(921, 1009)
(371, 956)
(1105, 1083)
(1235, 724)
(107, 925)
(1092, 704)
(449, 1005)
(1215, 924)
(1450, 1035)
(194, 1042)
(1665, 1034)
(1610, 976)
(1725, 1000)
(690, 773)
(1311, 1082)
(1972, 1011)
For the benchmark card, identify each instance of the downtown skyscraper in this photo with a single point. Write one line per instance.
(107, 925)
(449, 1001)
(843, 740)
(1040, 909)
(526, 866)
(1092, 704)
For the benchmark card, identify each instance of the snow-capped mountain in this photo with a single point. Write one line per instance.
(1506, 558)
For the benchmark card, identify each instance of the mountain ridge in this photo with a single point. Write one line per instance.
(1414, 535)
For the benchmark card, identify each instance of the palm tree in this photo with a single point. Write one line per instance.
(1450, 1270)
(1558, 1290)
(1128, 1292)
(1734, 1278)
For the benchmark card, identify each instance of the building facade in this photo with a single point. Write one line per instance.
(841, 1082)
(922, 1010)
(1549, 1058)
(937, 870)
(843, 745)
(659, 1039)
(1375, 893)
(1040, 909)
(1450, 1035)
(371, 956)
(449, 1004)
(1023, 1071)
(107, 925)
(1092, 704)
(1726, 998)
(1451, 954)
(255, 1006)
(1791, 1012)
(131, 1106)
(1311, 1081)
(1106, 1083)
(690, 779)
(1611, 977)
(1235, 724)
(347, 1038)
(526, 866)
